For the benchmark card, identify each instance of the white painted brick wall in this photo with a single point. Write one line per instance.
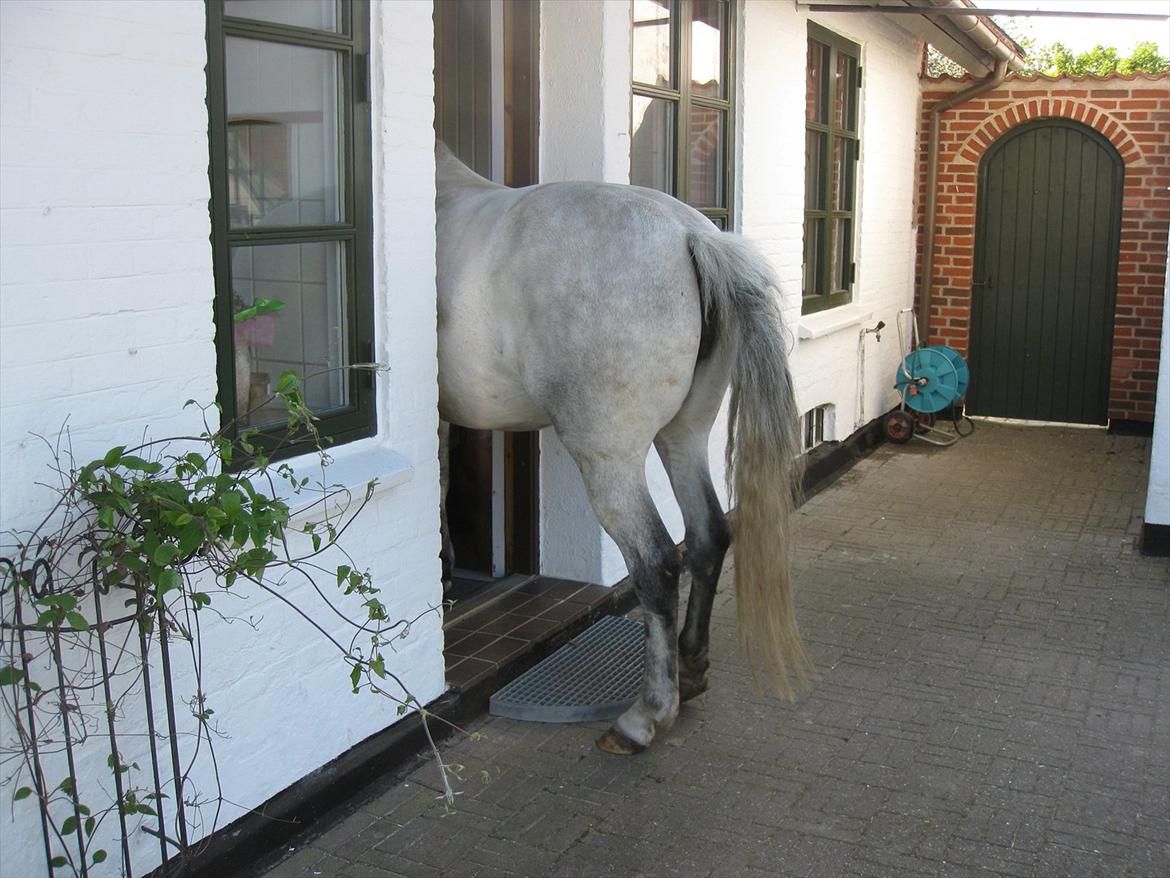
(1158, 491)
(772, 137)
(106, 293)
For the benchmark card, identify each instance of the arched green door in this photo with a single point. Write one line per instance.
(1045, 274)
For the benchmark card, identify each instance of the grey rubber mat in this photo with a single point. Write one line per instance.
(593, 677)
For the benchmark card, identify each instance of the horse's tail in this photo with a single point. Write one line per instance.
(736, 284)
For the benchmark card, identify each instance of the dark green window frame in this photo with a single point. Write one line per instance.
(830, 186)
(685, 102)
(353, 230)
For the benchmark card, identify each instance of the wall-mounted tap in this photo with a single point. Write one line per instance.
(876, 330)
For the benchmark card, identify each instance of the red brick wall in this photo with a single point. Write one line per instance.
(1134, 113)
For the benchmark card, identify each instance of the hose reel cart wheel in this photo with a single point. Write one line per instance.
(899, 426)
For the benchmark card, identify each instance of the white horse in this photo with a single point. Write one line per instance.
(618, 316)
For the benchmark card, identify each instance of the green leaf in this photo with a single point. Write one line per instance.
(9, 675)
(58, 862)
(230, 502)
(355, 676)
(99, 856)
(259, 308)
(199, 599)
(165, 554)
(316, 538)
(190, 537)
(113, 456)
(137, 464)
(106, 517)
(133, 563)
(22, 793)
(78, 621)
(69, 826)
(287, 382)
(168, 580)
(342, 573)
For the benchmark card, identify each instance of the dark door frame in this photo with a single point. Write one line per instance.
(978, 332)
(468, 130)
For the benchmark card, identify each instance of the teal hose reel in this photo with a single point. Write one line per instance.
(930, 379)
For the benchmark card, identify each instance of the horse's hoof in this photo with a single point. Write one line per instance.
(618, 744)
(691, 687)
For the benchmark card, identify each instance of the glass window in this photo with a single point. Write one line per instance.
(705, 184)
(709, 48)
(284, 143)
(653, 58)
(832, 151)
(681, 120)
(315, 14)
(291, 226)
(652, 155)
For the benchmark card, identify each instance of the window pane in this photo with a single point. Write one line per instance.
(814, 249)
(843, 167)
(816, 96)
(317, 14)
(284, 133)
(842, 254)
(706, 171)
(289, 304)
(652, 49)
(845, 100)
(652, 146)
(708, 48)
(814, 169)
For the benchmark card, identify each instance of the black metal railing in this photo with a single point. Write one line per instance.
(83, 686)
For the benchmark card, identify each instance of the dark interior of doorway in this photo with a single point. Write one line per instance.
(465, 121)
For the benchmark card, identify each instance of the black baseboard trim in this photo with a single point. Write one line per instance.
(254, 842)
(1155, 540)
(1131, 428)
(830, 460)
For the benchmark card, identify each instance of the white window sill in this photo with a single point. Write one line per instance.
(352, 468)
(833, 320)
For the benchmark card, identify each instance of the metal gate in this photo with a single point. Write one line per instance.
(1045, 274)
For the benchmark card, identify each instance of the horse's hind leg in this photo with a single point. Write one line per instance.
(618, 493)
(683, 450)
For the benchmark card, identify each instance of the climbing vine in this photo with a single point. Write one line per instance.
(113, 586)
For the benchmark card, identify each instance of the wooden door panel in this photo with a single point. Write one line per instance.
(1045, 273)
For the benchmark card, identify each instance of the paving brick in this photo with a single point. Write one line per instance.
(994, 700)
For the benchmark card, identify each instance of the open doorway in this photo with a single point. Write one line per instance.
(486, 92)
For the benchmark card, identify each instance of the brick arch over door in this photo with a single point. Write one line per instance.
(1134, 116)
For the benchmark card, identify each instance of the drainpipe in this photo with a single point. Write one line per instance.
(993, 79)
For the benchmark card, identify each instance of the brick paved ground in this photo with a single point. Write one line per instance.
(995, 699)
